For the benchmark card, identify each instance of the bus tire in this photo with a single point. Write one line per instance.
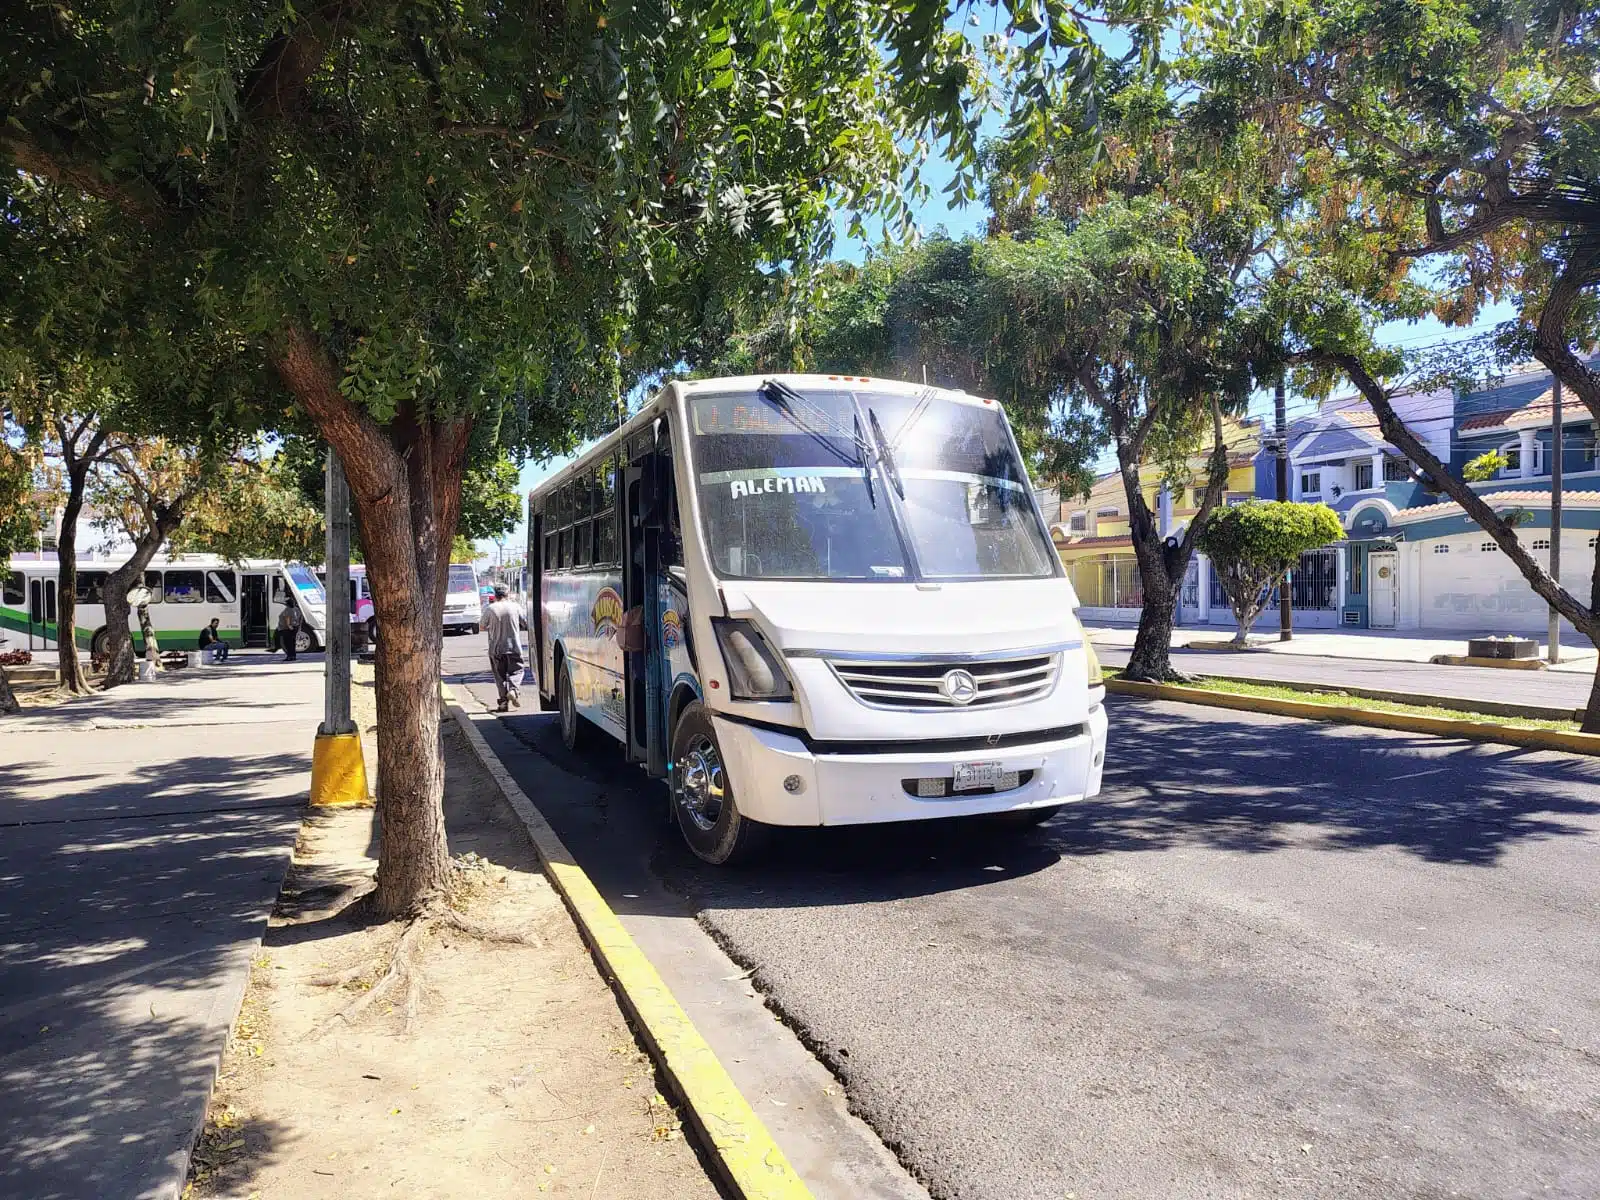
(97, 644)
(305, 642)
(575, 733)
(372, 631)
(703, 803)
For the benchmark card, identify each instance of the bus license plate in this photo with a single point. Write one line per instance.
(976, 775)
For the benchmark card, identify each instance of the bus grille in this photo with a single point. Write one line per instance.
(999, 681)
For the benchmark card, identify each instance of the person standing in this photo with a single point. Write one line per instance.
(500, 626)
(288, 634)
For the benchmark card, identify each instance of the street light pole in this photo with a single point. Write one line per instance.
(1280, 418)
(338, 766)
(336, 664)
(1553, 650)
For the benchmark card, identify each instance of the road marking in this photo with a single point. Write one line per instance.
(738, 1142)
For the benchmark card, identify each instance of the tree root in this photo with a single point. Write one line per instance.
(403, 971)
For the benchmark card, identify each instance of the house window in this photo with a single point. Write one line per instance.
(1358, 572)
(1363, 476)
(1441, 549)
(1311, 483)
(1513, 455)
(1586, 443)
(1080, 523)
(1396, 470)
(1541, 543)
(1488, 547)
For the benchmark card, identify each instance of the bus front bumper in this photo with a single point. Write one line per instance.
(777, 779)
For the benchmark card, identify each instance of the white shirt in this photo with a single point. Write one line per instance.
(500, 625)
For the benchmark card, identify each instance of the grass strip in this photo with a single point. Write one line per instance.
(1337, 699)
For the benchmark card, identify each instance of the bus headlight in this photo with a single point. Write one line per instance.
(754, 672)
(1097, 677)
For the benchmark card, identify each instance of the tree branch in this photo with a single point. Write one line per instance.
(1216, 484)
(1396, 432)
(1551, 346)
(276, 84)
(135, 199)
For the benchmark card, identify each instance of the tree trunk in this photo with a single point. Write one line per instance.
(8, 698)
(70, 665)
(119, 638)
(147, 631)
(1151, 660)
(405, 480)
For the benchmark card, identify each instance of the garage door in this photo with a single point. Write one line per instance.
(1468, 585)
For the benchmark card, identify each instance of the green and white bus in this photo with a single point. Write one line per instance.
(185, 593)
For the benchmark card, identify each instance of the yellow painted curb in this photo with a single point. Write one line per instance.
(1477, 731)
(338, 771)
(744, 1151)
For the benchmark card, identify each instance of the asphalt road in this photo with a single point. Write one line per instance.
(1554, 689)
(1274, 958)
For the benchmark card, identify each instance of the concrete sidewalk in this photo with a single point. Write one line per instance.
(143, 838)
(1578, 656)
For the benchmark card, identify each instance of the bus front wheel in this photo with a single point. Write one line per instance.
(702, 797)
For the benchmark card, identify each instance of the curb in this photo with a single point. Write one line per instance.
(1476, 731)
(732, 1135)
(1495, 708)
(1503, 664)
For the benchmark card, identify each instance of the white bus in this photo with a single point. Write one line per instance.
(185, 593)
(815, 600)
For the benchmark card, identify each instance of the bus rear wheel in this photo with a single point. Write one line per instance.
(574, 729)
(703, 803)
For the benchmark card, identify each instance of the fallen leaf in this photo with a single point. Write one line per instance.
(587, 1130)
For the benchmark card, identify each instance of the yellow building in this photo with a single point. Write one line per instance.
(1093, 534)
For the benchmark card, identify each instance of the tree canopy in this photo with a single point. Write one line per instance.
(1253, 546)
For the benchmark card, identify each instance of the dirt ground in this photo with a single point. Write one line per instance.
(518, 1076)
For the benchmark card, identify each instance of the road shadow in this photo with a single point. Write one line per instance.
(124, 941)
(1180, 775)
(1175, 776)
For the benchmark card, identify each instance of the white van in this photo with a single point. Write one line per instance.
(463, 604)
(815, 600)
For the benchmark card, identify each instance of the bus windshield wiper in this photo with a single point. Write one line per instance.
(788, 401)
(886, 455)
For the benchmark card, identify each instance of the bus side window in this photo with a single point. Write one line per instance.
(91, 587)
(221, 587)
(12, 590)
(277, 589)
(549, 552)
(185, 587)
(152, 582)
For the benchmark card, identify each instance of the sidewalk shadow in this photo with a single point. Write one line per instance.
(122, 935)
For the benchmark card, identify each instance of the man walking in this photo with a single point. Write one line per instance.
(288, 634)
(500, 626)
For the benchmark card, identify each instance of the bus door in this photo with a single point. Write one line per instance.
(647, 483)
(534, 593)
(41, 613)
(254, 623)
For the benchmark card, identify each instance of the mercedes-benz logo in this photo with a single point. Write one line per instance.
(958, 687)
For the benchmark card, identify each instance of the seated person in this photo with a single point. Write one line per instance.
(211, 639)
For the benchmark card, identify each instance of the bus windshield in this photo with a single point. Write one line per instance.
(305, 584)
(462, 579)
(792, 487)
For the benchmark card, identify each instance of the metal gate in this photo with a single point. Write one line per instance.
(1313, 592)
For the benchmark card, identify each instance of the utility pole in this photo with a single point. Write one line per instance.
(1280, 415)
(1558, 449)
(338, 767)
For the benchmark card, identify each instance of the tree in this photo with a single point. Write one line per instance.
(145, 493)
(19, 516)
(253, 507)
(1447, 157)
(68, 405)
(1254, 545)
(491, 499)
(434, 221)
